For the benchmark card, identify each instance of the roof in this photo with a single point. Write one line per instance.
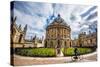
(59, 20)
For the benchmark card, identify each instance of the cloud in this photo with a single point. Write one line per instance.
(39, 15)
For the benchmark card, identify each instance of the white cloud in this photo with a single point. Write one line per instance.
(39, 12)
(32, 21)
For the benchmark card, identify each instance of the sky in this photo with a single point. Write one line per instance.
(38, 15)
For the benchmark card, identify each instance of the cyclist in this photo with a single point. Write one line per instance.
(76, 53)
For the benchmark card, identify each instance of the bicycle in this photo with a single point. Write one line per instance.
(76, 56)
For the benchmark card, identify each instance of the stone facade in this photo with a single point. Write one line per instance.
(85, 40)
(17, 34)
(89, 40)
(75, 43)
(58, 34)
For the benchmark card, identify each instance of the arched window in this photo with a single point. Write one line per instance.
(51, 44)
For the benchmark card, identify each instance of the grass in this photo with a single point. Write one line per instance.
(70, 51)
(49, 52)
(36, 52)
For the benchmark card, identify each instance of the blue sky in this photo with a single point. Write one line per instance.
(38, 15)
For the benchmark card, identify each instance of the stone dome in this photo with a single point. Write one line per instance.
(59, 21)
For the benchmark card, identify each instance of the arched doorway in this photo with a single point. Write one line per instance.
(58, 49)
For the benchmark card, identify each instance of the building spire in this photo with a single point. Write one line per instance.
(20, 27)
(34, 37)
(15, 19)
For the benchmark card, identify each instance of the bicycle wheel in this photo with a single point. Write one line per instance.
(74, 58)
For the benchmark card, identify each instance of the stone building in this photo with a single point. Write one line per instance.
(75, 43)
(17, 34)
(88, 40)
(34, 42)
(58, 34)
(37, 42)
(85, 40)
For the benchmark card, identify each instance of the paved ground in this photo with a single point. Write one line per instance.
(20, 60)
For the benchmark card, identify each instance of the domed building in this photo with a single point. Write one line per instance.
(58, 34)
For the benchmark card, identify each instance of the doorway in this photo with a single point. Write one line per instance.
(59, 52)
